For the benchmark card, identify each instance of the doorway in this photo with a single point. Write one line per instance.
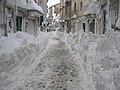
(92, 26)
(19, 23)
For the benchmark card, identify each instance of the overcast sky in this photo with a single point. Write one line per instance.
(52, 2)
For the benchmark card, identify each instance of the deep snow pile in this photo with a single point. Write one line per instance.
(60, 61)
(17, 52)
(100, 57)
(8, 44)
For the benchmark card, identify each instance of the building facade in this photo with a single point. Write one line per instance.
(53, 16)
(96, 16)
(19, 15)
(57, 9)
(50, 15)
(77, 18)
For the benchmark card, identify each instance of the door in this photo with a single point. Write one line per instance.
(19, 23)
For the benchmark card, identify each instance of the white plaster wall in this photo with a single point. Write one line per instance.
(23, 24)
(31, 27)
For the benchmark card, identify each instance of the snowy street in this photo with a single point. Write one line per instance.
(60, 61)
(59, 44)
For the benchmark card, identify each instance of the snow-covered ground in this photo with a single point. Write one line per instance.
(60, 61)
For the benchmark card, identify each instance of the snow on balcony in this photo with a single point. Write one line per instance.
(33, 7)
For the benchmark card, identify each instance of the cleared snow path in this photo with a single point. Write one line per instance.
(62, 71)
(55, 70)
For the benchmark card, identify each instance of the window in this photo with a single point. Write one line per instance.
(81, 6)
(92, 26)
(75, 7)
(84, 27)
(18, 23)
(41, 20)
(114, 11)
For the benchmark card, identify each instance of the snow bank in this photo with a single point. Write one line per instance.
(16, 47)
(90, 62)
(8, 44)
(100, 58)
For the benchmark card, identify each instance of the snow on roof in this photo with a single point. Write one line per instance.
(33, 6)
(118, 23)
(91, 9)
(22, 3)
